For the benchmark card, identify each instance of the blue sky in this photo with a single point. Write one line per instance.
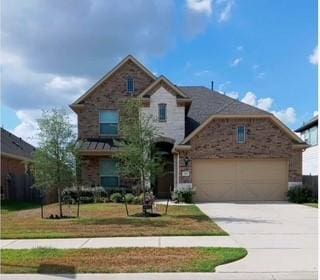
(262, 52)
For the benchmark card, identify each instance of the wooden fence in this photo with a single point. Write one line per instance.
(311, 182)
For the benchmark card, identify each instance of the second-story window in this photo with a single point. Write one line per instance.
(241, 134)
(162, 112)
(109, 120)
(130, 85)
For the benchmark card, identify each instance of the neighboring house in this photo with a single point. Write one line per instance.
(16, 178)
(309, 133)
(223, 148)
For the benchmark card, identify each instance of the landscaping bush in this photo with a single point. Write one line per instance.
(86, 195)
(129, 197)
(300, 194)
(183, 195)
(116, 197)
(137, 200)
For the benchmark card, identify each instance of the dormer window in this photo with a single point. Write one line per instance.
(162, 112)
(130, 85)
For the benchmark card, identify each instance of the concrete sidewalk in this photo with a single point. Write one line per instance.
(167, 276)
(112, 242)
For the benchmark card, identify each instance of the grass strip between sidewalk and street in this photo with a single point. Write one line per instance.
(117, 260)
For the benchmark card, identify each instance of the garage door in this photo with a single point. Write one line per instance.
(240, 180)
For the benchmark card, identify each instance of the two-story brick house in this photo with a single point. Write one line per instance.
(225, 149)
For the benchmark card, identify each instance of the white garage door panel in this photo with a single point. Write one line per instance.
(240, 180)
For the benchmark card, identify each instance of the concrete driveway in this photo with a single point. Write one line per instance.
(279, 237)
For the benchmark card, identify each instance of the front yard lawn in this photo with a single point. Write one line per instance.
(117, 260)
(105, 220)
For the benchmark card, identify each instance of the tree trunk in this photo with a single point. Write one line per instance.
(78, 209)
(60, 202)
(41, 210)
(125, 203)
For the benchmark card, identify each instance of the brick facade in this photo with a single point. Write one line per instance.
(110, 95)
(264, 140)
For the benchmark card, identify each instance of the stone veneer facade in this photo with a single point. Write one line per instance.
(218, 140)
(173, 127)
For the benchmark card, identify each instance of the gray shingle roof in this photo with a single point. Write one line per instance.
(15, 146)
(206, 103)
(308, 124)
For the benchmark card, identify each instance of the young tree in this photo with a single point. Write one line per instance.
(54, 161)
(138, 157)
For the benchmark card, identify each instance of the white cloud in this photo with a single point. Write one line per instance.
(240, 48)
(26, 89)
(250, 98)
(28, 127)
(200, 6)
(225, 13)
(287, 115)
(233, 94)
(236, 61)
(67, 83)
(314, 57)
(197, 16)
(315, 113)
(262, 103)
(265, 103)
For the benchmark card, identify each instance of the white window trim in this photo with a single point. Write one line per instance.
(108, 110)
(244, 134)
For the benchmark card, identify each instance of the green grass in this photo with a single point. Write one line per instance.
(315, 205)
(117, 260)
(106, 220)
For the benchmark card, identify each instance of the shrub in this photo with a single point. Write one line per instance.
(300, 194)
(116, 197)
(86, 194)
(129, 197)
(137, 200)
(183, 195)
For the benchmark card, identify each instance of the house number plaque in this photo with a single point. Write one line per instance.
(185, 173)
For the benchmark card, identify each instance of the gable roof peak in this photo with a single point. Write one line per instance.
(113, 70)
(164, 79)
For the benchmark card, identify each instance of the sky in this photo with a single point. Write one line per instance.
(262, 52)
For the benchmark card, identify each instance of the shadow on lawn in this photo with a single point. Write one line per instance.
(198, 218)
(46, 268)
(18, 205)
(242, 220)
(69, 271)
(139, 222)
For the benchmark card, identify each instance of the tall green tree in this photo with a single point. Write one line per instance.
(54, 160)
(138, 157)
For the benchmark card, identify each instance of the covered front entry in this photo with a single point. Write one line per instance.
(164, 183)
(240, 179)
